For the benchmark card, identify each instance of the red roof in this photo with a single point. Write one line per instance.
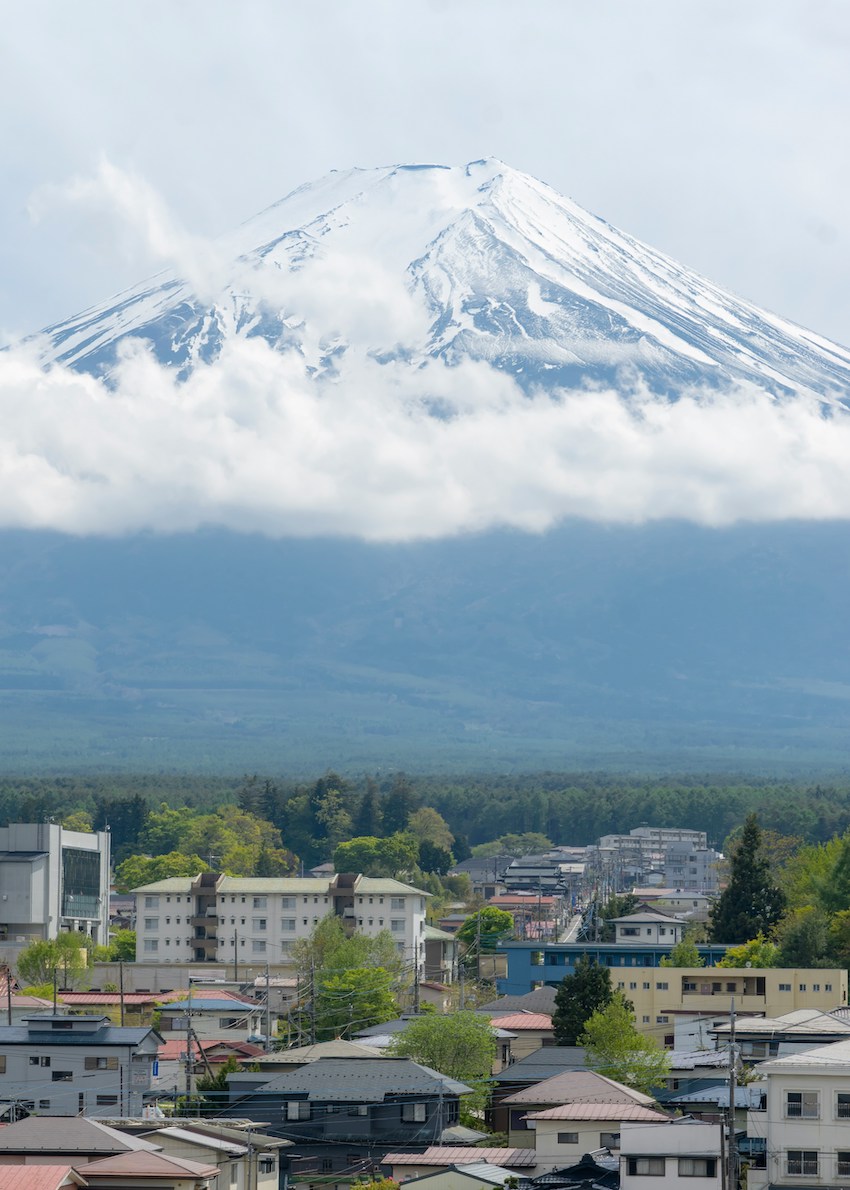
(515, 1021)
(104, 998)
(520, 900)
(142, 1164)
(464, 1155)
(38, 1177)
(174, 1049)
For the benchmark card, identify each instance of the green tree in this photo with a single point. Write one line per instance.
(428, 826)
(461, 1046)
(353, 1000)
(78, 821)
(751, 903)
(804, 938)
(65, 955)
(212, 1088)
(433, 858)
(527, 843)
(578, 996)
(122, 946)
(372, 856)
(758, 952)
(684, 954)
(618, 905)
(616, 1049)
(369, 818)
(137, 870)
(489, 925)
(398, 805)
(329, 949)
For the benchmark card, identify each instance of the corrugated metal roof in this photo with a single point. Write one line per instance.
(38, 1177)
(146, 1165)
(579, 1086)
(66, 1135)
(517, 1021)
(600, 1111)
(463, 1155)
(822, 1057)
(105, 998)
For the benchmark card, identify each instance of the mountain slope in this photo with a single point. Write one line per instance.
(414, 263)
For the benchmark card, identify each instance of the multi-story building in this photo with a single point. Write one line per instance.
(679, 857)
(531, 965)
(53, 881)
(804, 1120)
(251, 921)
(61, 1065)
(671, 1155)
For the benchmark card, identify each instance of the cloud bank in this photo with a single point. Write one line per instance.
(254, 443)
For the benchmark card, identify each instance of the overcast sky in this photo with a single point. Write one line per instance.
(716, 132)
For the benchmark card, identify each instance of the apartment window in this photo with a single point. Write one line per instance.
(259, 902)
(62, 1076)
(802, 1105)
(259, 923)
(697, 1167)
(151, 923)
(43, 1104)
(35, 1060)
(397, 903)
(287, 923)
(842, 1164)
(662, 987)
(151, 902)
(2, 1063)
(327, 1164)
(802, 987)
(106, 1100)
(288, 902)
(629, 931)
(802, 1163)
(234, 1174)
(168, 921)
(413, 1113)
(297, 1109)
(609, 1140)
(827, 987)
(646, 1019)
(567, 1138)
(662, 1020)
(646, 987)
(815, 987)
(646, 1167)
(267, 1165)
(101, 1063)
(632, 987)
(785, 987)
(258, 946)
(151, 944)
(842, 1105)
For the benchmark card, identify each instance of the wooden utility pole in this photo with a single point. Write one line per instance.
(121, 987)
(732, 1148)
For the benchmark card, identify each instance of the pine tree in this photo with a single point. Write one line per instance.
(369, 820)
(751, 903)
(578, 996)
(399, 804)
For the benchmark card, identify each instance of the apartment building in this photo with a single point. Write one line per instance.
(671, 1155)
(804, 1121)
(57, 1064)
(247, 922)
(53, 881)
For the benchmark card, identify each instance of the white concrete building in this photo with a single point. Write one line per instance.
(250, 921)
(670, 1156)
(648, 927)
(64, 1065)
(53, 881)
(805, 1121)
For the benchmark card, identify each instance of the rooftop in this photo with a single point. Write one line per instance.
(465, 1155)
(69, 1135)
(516, 1022)
(579, 1086)
(835, 1056)
(357, 1080)
(600, 1111)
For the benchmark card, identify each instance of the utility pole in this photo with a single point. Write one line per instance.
(236, 955)
(121, 987)
(9, 995)
(461, 977)
(416, 987)
(268, 1012)
(312, 1001)
(732, 1149)
(478, 948)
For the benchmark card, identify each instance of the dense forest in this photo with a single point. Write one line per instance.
(568, 808)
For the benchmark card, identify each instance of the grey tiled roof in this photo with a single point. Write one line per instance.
(361, 1080)
(67, 1135)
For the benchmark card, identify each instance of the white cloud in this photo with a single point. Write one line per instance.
(255, 444)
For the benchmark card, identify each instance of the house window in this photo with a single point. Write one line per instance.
(287, 923)
(101, 1063)
(267, 1165)
(151, 944)
(646, 1167)
(151, 923)
(327, 1164)
(802, 1105)
(609, 1140)
(106, 1100)
(413, 1113)
(360, 1109)
(397, 903)
(62, 1076)
(802, 1163)
(632, 987)
(259, 923)
(697, 1167)
(259, 902)
(297, 1109)
(567, 1138)
(43, 1104)
(842, 1105)
(646, 1019)
(35, 1060)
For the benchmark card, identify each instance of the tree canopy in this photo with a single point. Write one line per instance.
(751, 903)
(462, 1045)
(578, 996)
(616, 1049)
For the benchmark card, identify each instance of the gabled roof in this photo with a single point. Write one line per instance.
(479, 1171)
(358, 1080)
(648, 919)
(516, 1022)
(579, 1086)
(67, 1135)
(322, 1049)
(600, 1111)
(176, 1048)
(208, 1004)
(835, 1056)
(698, 1059)
(803, 1021)
(464, 1155)
(39, 1177)
(145, 1165)
(543, 1063)
(540, 1000)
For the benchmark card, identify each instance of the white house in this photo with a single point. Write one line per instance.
(670, 1156)
(805, 1120)
(564, 1134)
(53, 881)
(63, 1065)
(250, 921)
(648, 927)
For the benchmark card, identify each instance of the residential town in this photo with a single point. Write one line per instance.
(241, 1045)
